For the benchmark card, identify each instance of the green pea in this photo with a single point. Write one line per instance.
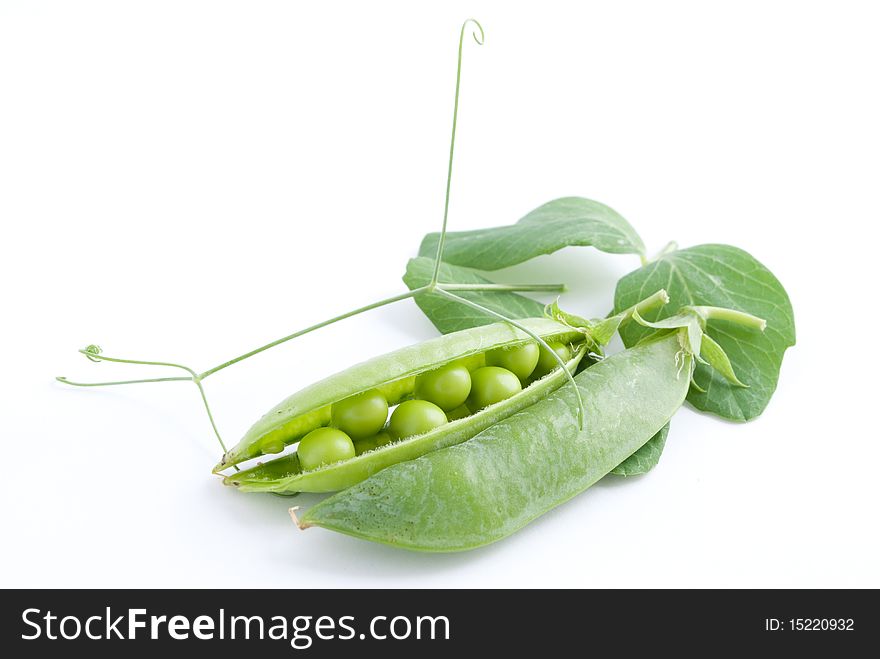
(547, 363)
(379, 439)
(459, 412)
(490, 385)
(415, 417)
(520, 360)
(324, 446)
(447, 387)
(361, 415)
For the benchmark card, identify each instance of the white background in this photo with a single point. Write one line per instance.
(188, 180)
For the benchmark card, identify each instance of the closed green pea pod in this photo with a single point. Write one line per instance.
(484, 489)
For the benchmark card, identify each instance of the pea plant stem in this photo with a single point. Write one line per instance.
(551, 288)
(312, 328)
(94, 353)
(525, 288)
(198, 377)
(733, 316)
(61, 378)
(655, 301)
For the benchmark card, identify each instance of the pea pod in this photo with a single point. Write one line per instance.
(394, 376)
(483, 490)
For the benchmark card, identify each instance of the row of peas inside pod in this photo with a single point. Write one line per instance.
(441, 392)
(360, 423)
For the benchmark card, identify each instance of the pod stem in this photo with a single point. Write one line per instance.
(523, 328)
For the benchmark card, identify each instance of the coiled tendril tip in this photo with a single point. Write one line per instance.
(479, 39)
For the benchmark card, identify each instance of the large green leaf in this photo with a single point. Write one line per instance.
(451, 316)
(646, 458)
(557, 224)
(722, 276)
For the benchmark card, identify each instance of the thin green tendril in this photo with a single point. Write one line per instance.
(441, 244)
(93, 352)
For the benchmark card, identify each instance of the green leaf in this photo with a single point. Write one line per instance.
(721, 276)
(560, 223)
(646, 458)
(450, 316)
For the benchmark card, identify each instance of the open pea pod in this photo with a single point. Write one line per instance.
(486, 488)
(394, 376)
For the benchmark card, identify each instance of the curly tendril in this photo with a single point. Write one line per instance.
(91, 351)
(482, 36)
